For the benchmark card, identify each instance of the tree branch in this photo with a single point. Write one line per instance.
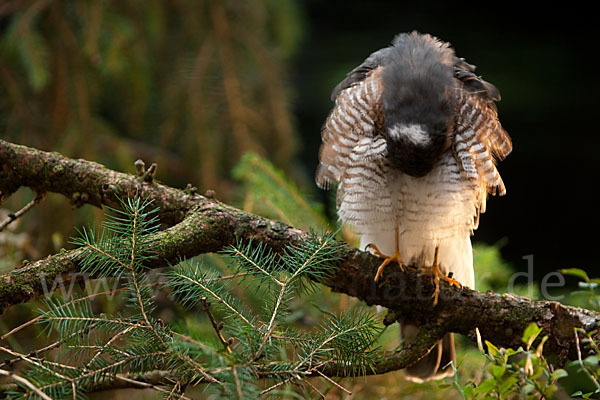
(83, 182)
(201, 225)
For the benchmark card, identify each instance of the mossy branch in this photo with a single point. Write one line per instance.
(198, 225)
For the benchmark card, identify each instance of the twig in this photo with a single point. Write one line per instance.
(263, 343)
(200, 369)
(34, 362)
(325, 342)
(103, 348)
(218, 298)
(321, 395)
(218, 328)
(275, 386)
(233, 276)
(294, 375)
(148, 175)
(238, 387)
(13, 216)
(101, 371)
(276, 307)
(255, 265)
(178, 391)
(580, 361)
(173, 391)
(198, 225)
(149, 380)
(54, 345)
(284, 286)
(74, 301)
(146, 385)
(26, 383)
(333, 382)
(188, 339)
(131, 269)
(74, 389)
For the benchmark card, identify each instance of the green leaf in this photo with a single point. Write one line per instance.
(531, 333)
(559, 373)
(498, 371)
(528, 388)
(575, 272)
(507, 385)
(492, 350)
(591, 360)
(512, 352)
(537, 372)
(485, 386)
(467, 390)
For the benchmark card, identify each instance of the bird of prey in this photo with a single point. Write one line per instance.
(412, 142)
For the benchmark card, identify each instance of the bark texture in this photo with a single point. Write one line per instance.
(197, 224)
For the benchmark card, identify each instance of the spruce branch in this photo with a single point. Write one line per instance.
(102, 349)
(200, 225)
(135, 217)
(191, 277)
(24, 382)
(109, 369)
(155, 380)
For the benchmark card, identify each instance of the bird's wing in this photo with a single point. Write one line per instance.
(359, 73)
(465, 72)
(480, 139)
(356, 115)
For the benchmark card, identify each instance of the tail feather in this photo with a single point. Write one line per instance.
(434, 365)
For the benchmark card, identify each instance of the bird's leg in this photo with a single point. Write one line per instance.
(388, 259)
(437, 275)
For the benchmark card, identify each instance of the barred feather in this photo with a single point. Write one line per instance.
(421, 82)
(480, 140)
(356, 115)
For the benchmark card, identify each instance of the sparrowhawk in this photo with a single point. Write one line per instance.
(412, 142)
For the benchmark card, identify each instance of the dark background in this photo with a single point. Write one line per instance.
(113, 82)
(544, 63)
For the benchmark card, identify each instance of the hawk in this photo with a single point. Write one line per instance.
(412, 142)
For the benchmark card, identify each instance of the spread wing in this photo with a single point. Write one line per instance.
(356, 115)
(480, 140)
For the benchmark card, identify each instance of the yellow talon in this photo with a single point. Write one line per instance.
(388, 259)
(437, 275)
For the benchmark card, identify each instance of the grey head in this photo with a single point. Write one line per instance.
(419, 77)
(418, 101)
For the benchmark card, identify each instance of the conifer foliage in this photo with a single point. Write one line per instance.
(248, 354)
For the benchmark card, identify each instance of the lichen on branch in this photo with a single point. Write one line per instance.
(198, 225)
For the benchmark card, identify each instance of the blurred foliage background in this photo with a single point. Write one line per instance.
(196, 85)
(191, 85)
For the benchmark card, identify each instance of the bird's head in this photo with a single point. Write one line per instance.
(415, 148)
(418, 102)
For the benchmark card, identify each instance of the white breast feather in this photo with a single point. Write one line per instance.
(435, 210)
